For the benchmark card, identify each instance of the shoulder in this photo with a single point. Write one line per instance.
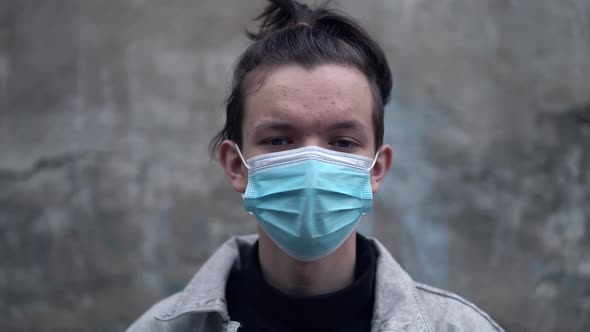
(148, 322)
(450, 312)
(401, 301)
(201, 299)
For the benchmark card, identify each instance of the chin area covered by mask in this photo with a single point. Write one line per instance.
(308, 200)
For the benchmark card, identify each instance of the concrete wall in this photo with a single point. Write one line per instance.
(108, 200)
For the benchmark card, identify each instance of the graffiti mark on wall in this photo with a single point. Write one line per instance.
(425, 240)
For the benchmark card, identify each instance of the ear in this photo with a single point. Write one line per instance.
(232, 164)
(382, 166)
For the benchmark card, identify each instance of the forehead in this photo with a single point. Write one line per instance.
(321, 95)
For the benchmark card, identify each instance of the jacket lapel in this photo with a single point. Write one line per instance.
(397, 304)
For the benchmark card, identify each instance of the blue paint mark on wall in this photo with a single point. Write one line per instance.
(366, 225)
(406, 194)
(153, 249)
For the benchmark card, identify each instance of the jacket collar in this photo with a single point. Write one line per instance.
(397, 305)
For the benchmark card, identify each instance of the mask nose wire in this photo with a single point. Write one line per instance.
(241, 156)
(374, 161)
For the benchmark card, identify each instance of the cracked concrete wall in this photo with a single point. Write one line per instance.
(108, 200)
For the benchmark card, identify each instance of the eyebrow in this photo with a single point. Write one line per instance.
(273, 125)
(353, 124)
(283, 125)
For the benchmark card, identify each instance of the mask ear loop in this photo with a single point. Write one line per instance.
(245, 164)
(241, 156)
(374, 161)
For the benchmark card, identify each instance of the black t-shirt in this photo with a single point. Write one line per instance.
(260, 307)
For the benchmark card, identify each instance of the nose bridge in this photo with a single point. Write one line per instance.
(312, 138)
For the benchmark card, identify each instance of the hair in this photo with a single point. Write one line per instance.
(292, 33)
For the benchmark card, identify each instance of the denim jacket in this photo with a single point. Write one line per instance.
(401, 304)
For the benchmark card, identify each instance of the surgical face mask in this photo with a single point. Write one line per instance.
(308, 200)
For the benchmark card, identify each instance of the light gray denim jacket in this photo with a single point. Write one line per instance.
(401, 304)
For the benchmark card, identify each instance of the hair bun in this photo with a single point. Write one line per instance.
(280, 14)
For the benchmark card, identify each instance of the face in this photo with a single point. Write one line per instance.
(329, 106)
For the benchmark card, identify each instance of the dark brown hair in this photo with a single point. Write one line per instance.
(292, 33)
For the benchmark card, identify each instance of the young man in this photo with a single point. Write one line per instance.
(303, 145)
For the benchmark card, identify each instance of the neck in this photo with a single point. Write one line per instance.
(329, 274)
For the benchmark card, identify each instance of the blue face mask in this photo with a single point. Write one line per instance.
(308, 200)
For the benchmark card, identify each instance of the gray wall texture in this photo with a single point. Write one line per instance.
(108, 199)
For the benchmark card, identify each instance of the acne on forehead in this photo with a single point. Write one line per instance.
(321, 92)
(324, 81)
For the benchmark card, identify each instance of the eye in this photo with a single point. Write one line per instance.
(277, 141)
(344, 143)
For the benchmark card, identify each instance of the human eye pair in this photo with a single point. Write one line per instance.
(337, 143)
